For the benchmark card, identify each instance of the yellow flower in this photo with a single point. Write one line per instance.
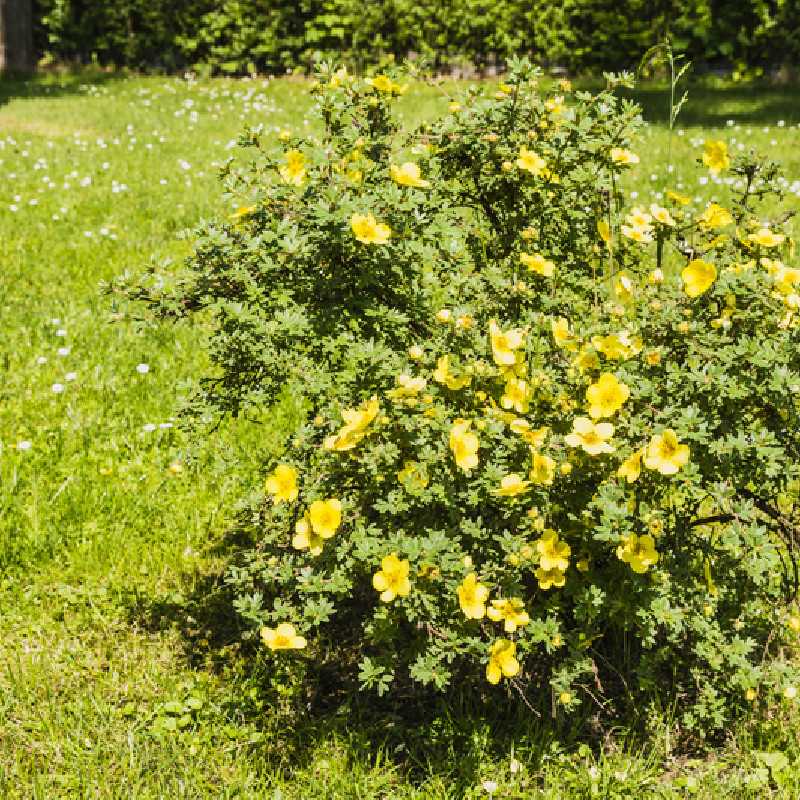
(715, 216)
(640, 235)
(392, 578)
(464, 445)
(562, 335)
(617, 346)
(382, 83)
(535, 438)
(413, 476)
(516, 395)
(368, 230)
(407, 174)
(606, 396)
(553, 553)
(537, 263)
(504, 344)
(697, 277)
(510, 612)
(631, 467)
(531, 162)
(284, 637)
(357, 420)
(305, 538)
(785, 277)
(680, 199)
(715, 155)
(443, 375)
(555, 105)
(543, 470)
(282, 484)
(621, 156)
(502, 662)
(325, 517)
(550, 577)
(242, 211)
(604, 231)
(591, 437)
(338, 78)
(661, 215)
(415, 352)
(444, 315)
(666, 454)
(512, 485)
(407, 387)
(624, 287)
(766, 238)
(294, 173)
(472, 597)
(638, 551)
(586, 360)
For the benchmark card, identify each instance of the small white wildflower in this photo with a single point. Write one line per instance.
(143, 369)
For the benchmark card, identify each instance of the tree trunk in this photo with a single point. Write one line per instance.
(16, 36)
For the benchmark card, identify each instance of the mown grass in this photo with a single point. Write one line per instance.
(121, 670)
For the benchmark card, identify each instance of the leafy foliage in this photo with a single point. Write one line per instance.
(549, 439)
(241, 35)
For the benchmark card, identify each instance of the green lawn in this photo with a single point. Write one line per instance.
(121, 674)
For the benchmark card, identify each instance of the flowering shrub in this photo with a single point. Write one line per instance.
(551, 441)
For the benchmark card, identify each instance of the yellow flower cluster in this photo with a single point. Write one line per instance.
(639, 226)
(357, 420)
(472, 599)
(320, 523)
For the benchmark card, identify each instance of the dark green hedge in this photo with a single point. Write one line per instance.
(273, 35)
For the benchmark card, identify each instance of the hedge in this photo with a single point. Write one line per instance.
(237, 36)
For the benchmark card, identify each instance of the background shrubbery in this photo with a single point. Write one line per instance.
(244, 35)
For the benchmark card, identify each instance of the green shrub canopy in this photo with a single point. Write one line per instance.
(551, 440)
